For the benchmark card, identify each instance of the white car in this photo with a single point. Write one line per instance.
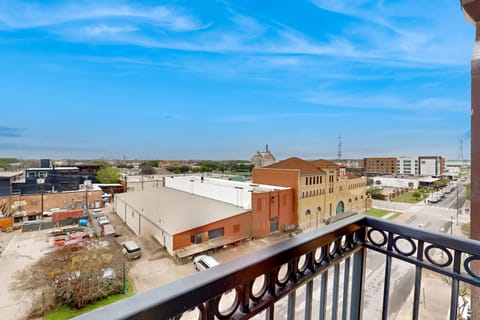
(103, 220)
(50, 212)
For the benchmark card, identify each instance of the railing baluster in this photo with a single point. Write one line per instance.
(418, 282)
(358, 281)
(210, 310)
(292, 298)
(346, 282)
(454, 300)
(386, 285)
(270, 314)
(308, 300)
(454, 297)
(336, 280)
(323, 296)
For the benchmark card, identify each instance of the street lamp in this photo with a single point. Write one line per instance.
(457, 205)
(451, 224)
(124, 288)
(318, 210)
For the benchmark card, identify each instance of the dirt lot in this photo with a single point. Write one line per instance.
(18, 250)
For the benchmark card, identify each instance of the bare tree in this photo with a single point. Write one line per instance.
(75, 275)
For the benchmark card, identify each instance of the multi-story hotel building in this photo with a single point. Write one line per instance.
(407, 166)
(380, 166)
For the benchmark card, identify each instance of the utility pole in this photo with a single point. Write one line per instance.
(457, 205)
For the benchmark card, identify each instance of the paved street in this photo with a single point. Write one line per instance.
(435, 298)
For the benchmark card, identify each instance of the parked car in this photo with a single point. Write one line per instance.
(108, 230)
(132, 249)
(50, 212)
(103, 220)
(204, 262)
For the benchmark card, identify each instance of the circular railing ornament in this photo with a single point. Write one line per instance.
(227, 304)
(194, 313)
(258, 287)
(373, 234)
(319, 256)
(283, 275)
(431, 255)
(402, 251)
(466, 265)
(302, 264)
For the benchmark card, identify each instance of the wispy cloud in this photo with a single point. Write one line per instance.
(26, 15)
(386, 38)
(384, 102)
(9, 132)
(250, 118)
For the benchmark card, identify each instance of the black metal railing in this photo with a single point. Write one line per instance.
(317, 275)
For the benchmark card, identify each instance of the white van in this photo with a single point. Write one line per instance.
(132, 249)
(204, 262)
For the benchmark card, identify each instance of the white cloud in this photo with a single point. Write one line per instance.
(102, 29)
(383, 102)
(20, 15)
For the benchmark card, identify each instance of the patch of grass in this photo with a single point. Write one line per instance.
(466, 229)
(409, 198)
(394, 216)
(378, 213)
(65, 312)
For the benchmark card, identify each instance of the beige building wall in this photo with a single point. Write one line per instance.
(320, 201)
(320, 186)
(311, 200)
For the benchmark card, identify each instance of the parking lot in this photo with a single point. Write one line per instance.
(157, 267)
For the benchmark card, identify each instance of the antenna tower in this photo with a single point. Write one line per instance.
(460, 151)
(339, 152)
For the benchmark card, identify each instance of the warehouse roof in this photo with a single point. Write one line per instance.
(177, 211)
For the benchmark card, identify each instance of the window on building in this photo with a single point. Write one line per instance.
(215, 233)
(307, 213)
(196, 238)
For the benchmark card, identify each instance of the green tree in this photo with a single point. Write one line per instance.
(146, 168)
(109, 175)
(153, 163)
(417, 195)
(376, 194)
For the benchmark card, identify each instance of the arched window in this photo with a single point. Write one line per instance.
(340, 208)
(307, 213)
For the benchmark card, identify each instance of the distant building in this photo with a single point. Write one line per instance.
(407, 166)
(323, 189)
(431, 166)
(263, 159)
(380, 166)
(48, 178)
(7, 179)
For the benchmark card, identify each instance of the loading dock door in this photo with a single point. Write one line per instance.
(274, 224)
(215, 233)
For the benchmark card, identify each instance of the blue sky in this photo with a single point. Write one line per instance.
(220, 79)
